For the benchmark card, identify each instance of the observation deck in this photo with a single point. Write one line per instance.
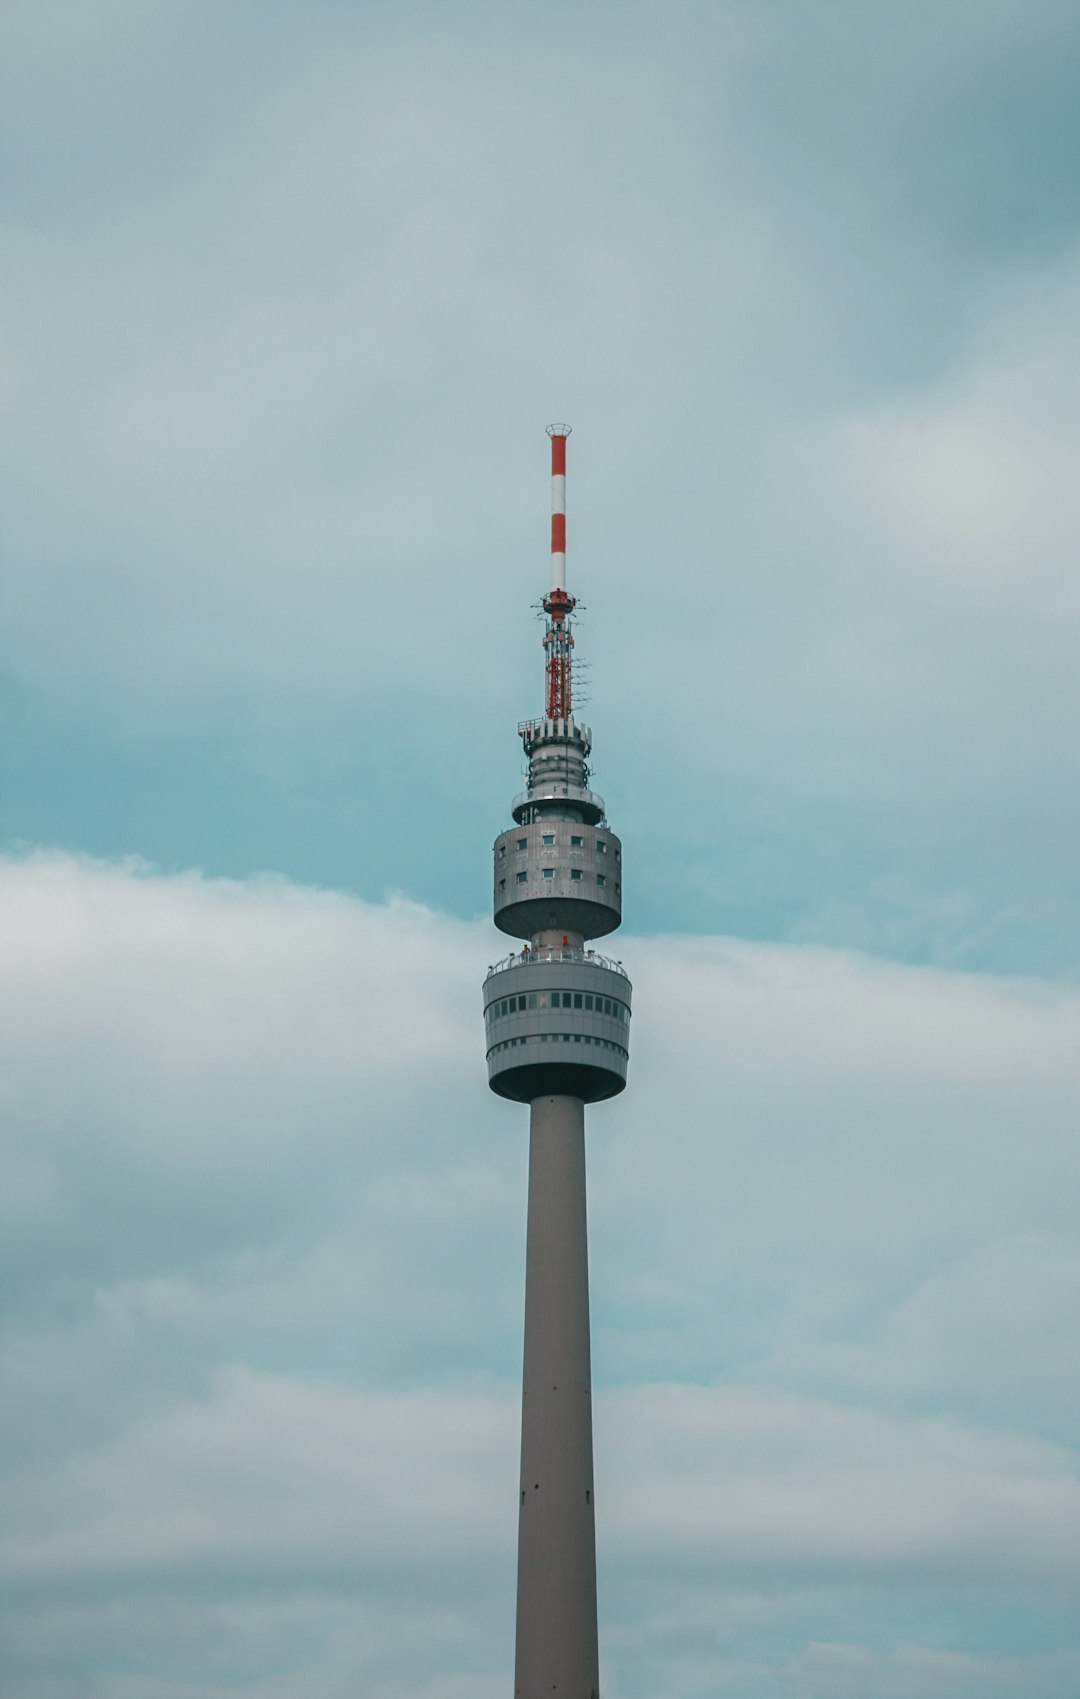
(557, 1020)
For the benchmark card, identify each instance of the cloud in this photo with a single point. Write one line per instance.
(264, 1284)
(857, 1672)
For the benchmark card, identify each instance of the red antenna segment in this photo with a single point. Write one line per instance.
(558, 605)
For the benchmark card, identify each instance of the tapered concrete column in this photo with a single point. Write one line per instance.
(556, 1601)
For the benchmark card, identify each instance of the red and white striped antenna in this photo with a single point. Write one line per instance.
(558, 435)
(558, 605)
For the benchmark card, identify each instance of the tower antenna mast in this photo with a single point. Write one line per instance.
(558, 605)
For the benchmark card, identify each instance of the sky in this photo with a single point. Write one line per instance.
(290, 294)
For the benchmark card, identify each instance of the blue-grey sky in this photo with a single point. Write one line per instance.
(289, 295)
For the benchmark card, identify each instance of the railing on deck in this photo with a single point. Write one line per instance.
(555, 953)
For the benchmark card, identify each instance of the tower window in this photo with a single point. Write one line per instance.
(575, 873)
(549, 837)
(601, 879)
(575, 843)
(577, 999)
(549, 872)
(523, 843)
(588, 1002)
(502, 884)
(502, 850)
(521, 878)
(601, 847)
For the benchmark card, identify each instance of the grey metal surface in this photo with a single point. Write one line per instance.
(556, 1595)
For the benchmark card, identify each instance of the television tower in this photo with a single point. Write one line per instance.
(557, 1020)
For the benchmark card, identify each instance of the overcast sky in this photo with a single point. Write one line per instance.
(289, 294)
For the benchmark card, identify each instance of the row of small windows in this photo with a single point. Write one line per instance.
(561, 1000)
(557, 1038)
(576, 842)
(549, 873)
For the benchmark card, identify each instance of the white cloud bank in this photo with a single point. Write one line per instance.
(264, 1241)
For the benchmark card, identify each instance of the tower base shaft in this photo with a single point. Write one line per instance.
(556, 1600)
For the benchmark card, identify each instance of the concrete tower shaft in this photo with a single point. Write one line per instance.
(557, 1022)
(556, 1593)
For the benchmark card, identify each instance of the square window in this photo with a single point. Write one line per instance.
(521, 878)
(577, 999)
(575, 873)
(575, 843)
(601, 847)
(523, 843)
(601, 879)
(549, 837)
(549, 872)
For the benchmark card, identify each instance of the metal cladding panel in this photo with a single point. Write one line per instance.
(574, 973)
(545, 881)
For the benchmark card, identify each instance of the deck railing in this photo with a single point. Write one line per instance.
(529, 957)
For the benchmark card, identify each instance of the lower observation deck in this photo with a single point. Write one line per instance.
(558, 1021)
